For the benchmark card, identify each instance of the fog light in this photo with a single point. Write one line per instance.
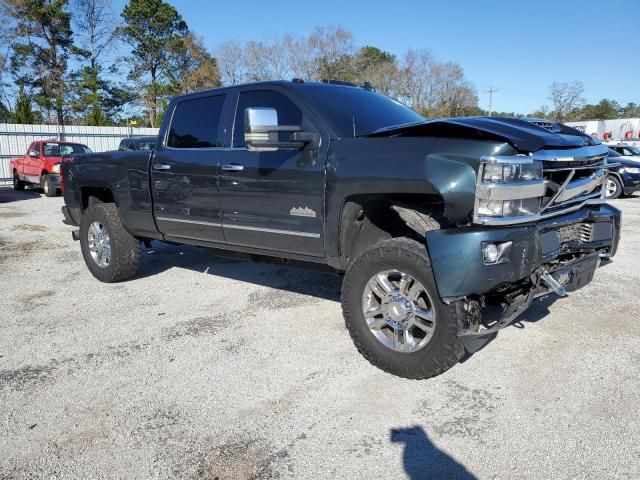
(490, 252)
(493, 253)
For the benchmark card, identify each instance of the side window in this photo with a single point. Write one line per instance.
(195, 123)
(628, 152)
(51, 149)
(288, 112)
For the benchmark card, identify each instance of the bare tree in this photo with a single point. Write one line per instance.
(231, 62)
(94, 26)
(450, 94)
(566, 98)
(418, 79)
(265, 61)
(414, 86)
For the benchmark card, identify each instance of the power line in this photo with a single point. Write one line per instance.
(491, 91)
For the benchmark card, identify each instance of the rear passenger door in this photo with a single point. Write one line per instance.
(185, 170)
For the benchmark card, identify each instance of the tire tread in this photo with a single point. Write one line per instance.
(449, 352)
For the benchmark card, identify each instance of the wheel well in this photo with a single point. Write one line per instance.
(92, 195)
(44, 172)
(367, 219)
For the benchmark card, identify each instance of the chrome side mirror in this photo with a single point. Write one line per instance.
(260, 129)
(34, 154)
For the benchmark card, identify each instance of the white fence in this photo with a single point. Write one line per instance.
(16, 138)
(618, 129)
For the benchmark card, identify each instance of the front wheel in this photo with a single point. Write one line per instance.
(613, 187)
(111, 253)
(394, 314)
(49, 186)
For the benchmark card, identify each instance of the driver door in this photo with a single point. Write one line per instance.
(273, 200)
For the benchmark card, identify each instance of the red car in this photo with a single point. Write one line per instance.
(41, 165)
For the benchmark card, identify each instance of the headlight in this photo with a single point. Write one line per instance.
(512, 172)
(56, 168)
(508, 208)
(629, 169)
(508, 187)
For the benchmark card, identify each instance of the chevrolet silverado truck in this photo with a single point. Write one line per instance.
(445, 230)
(41, 165)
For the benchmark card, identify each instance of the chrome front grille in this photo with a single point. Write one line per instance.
(571, 178)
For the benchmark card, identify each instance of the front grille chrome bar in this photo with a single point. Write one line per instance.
(571, 195)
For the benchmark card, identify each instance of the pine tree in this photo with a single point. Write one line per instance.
(23, 113)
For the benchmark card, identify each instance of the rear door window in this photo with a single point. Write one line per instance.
(195, 123)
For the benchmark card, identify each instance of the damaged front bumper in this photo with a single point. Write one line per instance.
(555, 255)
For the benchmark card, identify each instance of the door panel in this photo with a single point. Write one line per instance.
(276, 200)
(186, 199)
(185, 172)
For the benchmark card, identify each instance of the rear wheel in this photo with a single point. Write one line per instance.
(613, 187)
(110, 252)
(394, 314)
(17, 183)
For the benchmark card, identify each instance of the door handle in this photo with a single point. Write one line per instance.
(233, 167)
(161, 166)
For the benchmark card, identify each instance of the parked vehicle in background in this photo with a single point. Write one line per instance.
(40, 165)
(627, 151)
(445, 230)
(137, 143)
(623, 179)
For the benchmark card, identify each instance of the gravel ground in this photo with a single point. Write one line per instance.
(205, 367)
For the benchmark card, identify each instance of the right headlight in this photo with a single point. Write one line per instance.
(508, 187)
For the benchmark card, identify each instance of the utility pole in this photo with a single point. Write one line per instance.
(491, 91)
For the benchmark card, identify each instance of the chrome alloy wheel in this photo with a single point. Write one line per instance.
(99, 244)
(611, 188)
(398, 311)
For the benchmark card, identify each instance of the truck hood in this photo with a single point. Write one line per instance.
(525, 135)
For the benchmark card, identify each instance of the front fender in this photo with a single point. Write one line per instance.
(453, 177)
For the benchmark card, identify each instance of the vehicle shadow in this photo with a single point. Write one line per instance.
(8, 194)
(423, 460)
(292, 278)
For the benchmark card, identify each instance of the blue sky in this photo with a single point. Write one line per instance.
(518, 47)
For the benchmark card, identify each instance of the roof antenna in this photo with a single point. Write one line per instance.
(353, 119)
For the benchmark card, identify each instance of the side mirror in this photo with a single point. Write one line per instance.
(262, 132)
(34, 154)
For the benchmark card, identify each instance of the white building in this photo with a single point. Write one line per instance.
(622, 129)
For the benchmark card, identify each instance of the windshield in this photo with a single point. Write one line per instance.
(150, 145)
(633, 150)
(613, 153)
(353, 111)
(62, 149)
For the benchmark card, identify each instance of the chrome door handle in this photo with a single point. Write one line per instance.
(233, 167)
(161, 166)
